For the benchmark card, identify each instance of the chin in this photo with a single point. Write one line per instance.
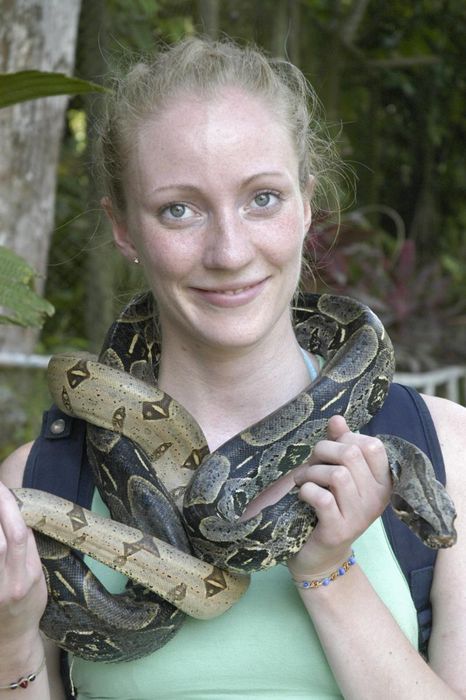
(238, 336)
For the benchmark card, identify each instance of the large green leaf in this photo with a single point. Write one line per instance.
(32, 84)
(19, 304)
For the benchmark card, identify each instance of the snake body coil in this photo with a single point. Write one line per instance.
(154, 471)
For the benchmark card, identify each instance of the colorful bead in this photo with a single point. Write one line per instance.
(326, 580)
(24, 681)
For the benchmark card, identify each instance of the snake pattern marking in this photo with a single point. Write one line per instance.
(175, 529)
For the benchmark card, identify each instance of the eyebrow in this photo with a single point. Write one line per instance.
(266, 173)
(174, 186)
(192, 188)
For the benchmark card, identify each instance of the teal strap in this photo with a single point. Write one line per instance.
(310, 366)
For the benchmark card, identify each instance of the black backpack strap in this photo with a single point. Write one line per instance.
(405, 414)
(58, 464)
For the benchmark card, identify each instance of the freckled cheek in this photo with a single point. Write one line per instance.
(286, 242)
(168, 264)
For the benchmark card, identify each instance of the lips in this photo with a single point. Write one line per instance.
(231, 292)
(231, 296)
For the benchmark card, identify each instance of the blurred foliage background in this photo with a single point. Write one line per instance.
(391, 78)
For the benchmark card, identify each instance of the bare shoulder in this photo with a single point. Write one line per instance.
(450, 423)
(12, 468)
(448, 640)
(446, 414)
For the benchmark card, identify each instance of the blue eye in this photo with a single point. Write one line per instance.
(263, 200)
(177, 210)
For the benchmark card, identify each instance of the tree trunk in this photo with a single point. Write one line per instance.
(100, 273)
(209, 17)
(425, 224)
(34, 34)
(293, 43)
(333, 65)
(280, 26)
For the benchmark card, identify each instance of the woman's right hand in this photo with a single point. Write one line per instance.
(23, 591)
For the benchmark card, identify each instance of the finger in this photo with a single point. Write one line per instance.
(372, 448)
(325, 505)
(334, 479)
(3, 548)
(373, 452)
(336, 427)
(362, 454)
(333, 530)
(33, 558)
(15, 533)
(346, 454)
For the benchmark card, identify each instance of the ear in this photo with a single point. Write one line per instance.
(307, 197)
(121, 236)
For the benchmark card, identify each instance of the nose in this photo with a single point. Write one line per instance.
(229, 244)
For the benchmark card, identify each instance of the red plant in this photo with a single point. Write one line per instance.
(413, 299)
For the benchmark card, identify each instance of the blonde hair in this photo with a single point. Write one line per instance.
(206, 67)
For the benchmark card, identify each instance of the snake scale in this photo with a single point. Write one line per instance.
(175, 529)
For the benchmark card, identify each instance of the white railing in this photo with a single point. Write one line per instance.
(449, 382)
(20, 359)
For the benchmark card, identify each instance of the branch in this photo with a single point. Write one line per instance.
(403, 61)
(351, 26)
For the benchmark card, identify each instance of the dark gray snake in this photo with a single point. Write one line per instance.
(153, 469)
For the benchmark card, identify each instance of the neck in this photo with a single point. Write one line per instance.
(228, 391)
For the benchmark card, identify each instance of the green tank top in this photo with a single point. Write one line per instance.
(264, 647)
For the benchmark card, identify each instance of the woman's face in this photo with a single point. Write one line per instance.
(216, 216)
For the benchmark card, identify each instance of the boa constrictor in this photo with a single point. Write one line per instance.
(175, 529)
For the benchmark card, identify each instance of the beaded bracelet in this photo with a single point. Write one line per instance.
(341, 571)
(24, 681)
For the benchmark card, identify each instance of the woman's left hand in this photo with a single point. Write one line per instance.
(348, 482)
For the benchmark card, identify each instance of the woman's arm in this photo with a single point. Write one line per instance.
(368, 653)
(23, 596)
(448, 640)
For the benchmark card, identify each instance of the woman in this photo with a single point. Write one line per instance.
(212, 170)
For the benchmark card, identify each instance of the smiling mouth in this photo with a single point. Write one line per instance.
(231, 292)
(231, 297)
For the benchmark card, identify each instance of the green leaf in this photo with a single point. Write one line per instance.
(19, 304)
(32, 84)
